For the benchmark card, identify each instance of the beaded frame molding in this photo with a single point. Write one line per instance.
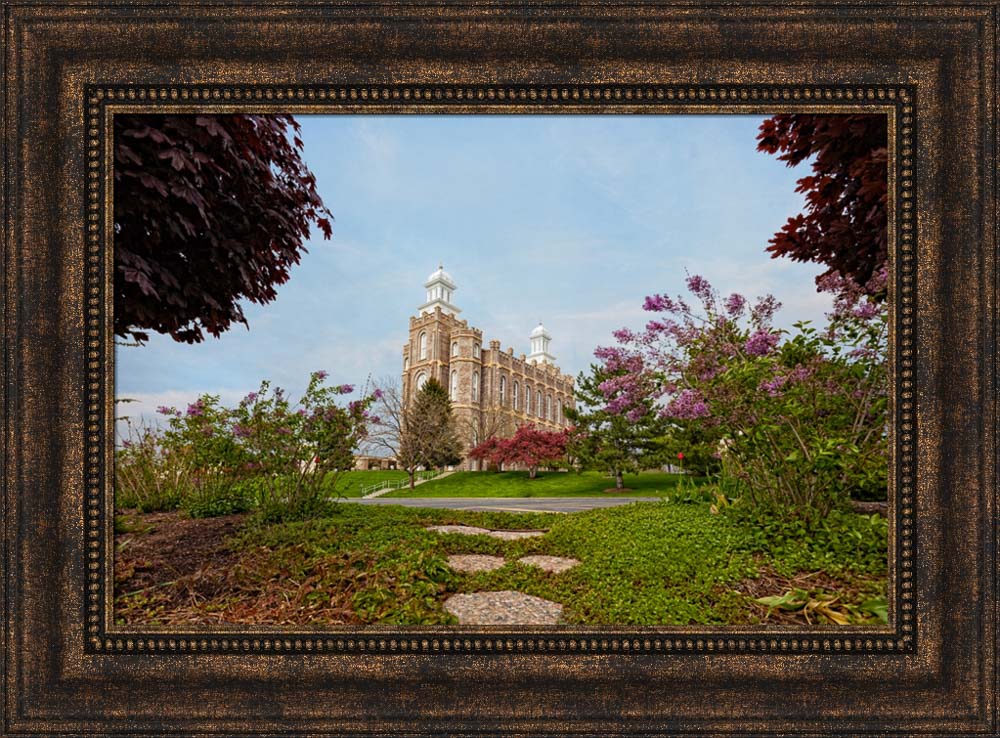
(896, 102)
(931, 66)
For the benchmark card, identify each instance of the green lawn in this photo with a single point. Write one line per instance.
(643, 564)
(547, 484)
(350, 483)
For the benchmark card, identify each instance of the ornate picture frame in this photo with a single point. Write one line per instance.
(69, 68)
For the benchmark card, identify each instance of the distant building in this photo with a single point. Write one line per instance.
(363, 462)
(487, 386)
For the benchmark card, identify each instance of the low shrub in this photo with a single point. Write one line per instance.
(219, 494)
(842, 540)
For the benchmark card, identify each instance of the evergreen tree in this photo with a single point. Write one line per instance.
(439, 433)
(617, 443)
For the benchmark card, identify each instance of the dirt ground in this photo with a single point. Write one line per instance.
(170, 569)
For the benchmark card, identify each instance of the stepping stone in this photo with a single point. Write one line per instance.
(465, 530)
(555, 564)
(513, 535)
(503, 608)
(475, 562)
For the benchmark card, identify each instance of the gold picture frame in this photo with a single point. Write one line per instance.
(68, 69)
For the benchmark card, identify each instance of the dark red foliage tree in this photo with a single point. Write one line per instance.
(492, 451)
(844, 221)
(529, 447)
(209, 210)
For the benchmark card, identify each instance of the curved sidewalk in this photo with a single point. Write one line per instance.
(507, 504)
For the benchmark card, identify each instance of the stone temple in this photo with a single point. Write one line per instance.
(492, 391)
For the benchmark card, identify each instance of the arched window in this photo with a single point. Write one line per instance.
(475, 350)
(475, 386)
(527, 399)
(454, 385)
(503, 389)
(454, 348)
(538, 404)
(423, 345)
(421, 378)
(548, 406)
(560, 416)
(516, 388)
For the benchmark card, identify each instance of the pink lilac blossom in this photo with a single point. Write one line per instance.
(196, 409)
(866, 310)
(734, 305)
(699, 287)
(687, 405)
(761, 343)
(659, 304)
(774, 386)
(345, 389)
(635, 414)
(321, 375)
(800, 373)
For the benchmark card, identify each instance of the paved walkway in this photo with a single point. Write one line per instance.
(507, 504)
(416, 483)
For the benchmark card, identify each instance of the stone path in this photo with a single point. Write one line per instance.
(506, 607)
(475, 562)
(471, 530)
(465, 530)
(555, 564)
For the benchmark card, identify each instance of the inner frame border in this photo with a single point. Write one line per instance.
(103, 101)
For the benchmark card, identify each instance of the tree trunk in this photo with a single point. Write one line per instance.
(619, 481)
(532, 472)
(412, 474)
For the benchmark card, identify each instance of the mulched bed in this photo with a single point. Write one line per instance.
(174, 570)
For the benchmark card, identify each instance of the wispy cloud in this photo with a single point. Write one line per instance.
(571, 220)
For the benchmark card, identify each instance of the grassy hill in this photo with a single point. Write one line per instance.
(547, 484)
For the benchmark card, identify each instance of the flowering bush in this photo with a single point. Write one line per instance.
(299, 450)
(797, 421)
(213, 460)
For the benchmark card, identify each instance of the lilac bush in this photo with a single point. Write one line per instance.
(297, 451)
(796, 420)
(288, 454)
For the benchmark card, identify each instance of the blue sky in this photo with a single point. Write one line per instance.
(570, 220)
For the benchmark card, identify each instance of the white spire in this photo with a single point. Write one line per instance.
(440, 288)
(540, 339)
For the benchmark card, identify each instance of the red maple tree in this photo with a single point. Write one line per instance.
(209, 210)
(844, 221)
(529, 447)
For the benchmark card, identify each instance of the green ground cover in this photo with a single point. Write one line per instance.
(644, 563)
(547, 484)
